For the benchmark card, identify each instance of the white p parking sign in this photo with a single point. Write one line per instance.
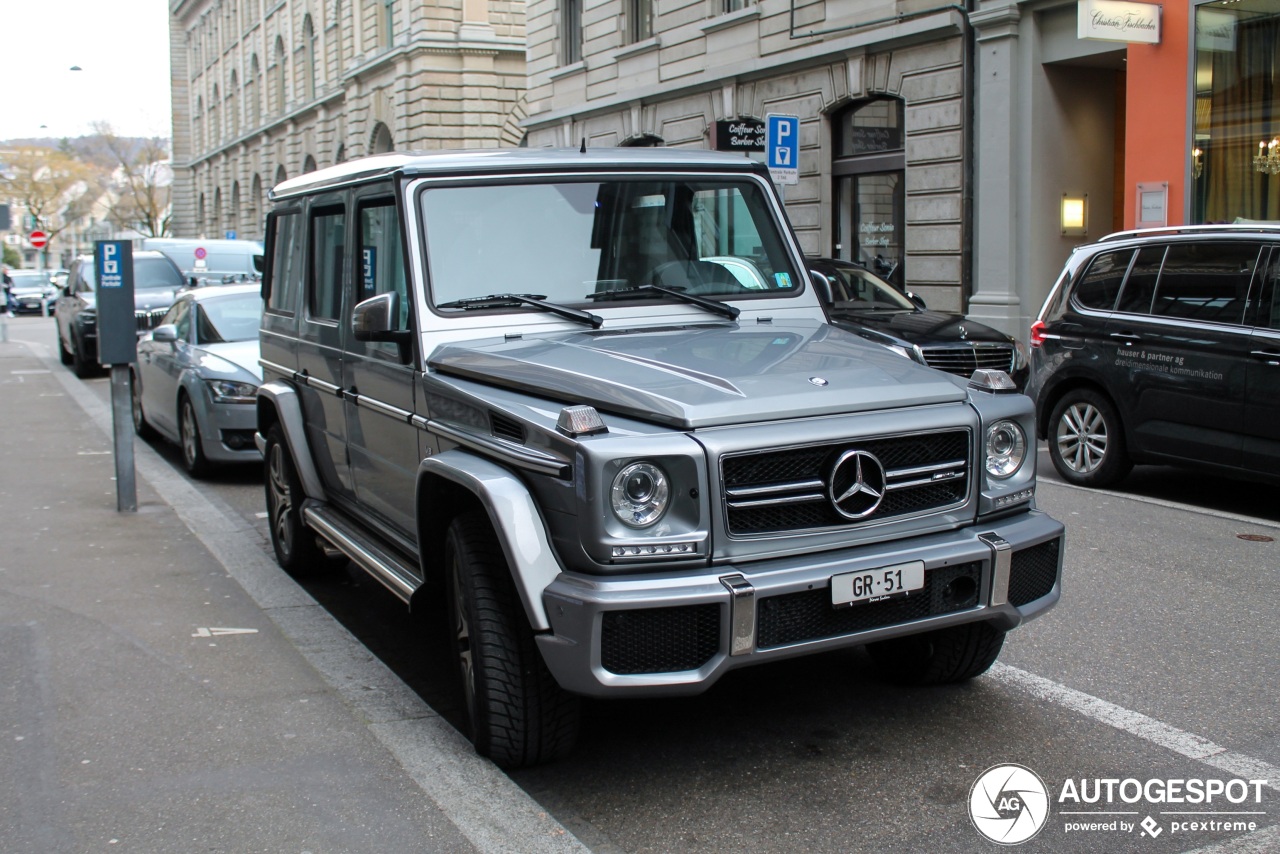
(782, 148)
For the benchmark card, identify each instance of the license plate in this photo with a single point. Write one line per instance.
(876, 585)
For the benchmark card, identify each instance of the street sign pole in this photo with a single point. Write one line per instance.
(118, 347)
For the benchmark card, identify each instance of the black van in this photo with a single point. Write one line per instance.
(1162, 346)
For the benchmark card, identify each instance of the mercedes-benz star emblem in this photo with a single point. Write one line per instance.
(819, 381)
(857, 484)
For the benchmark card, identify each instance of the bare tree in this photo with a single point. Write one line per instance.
(140, 195)
(56, 188)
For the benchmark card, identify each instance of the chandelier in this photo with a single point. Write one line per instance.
(1267, 159)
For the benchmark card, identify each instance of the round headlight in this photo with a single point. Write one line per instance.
(639, 494)
(1006, 449)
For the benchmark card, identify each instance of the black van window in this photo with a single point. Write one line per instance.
(1206, 281)
(1269, 308)
(1141, 285)
(1098, 288)
(286, 262)
(381, 256)
(328, 245)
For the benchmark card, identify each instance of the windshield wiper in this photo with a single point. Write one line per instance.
(729, 311)
(536, 300)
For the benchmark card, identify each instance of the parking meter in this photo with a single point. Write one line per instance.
(118, 347)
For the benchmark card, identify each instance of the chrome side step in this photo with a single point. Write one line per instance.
(391, 571)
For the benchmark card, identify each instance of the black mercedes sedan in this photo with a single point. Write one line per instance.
(867, 305)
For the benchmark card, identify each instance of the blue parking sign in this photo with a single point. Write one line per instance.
(782, 148)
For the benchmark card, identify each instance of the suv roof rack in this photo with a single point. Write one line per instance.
(1192, 229)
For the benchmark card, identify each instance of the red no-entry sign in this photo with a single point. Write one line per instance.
(38, 239)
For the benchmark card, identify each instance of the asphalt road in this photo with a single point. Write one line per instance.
(1159, 664)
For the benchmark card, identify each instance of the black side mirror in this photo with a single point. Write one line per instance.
(822, 287)
(917, 299)
(375, 319)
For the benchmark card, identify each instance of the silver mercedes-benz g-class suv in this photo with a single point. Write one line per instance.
(591, 399)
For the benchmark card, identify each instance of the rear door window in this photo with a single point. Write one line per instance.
(1141, 285)
(286, 262)
(1207, 282)
(328, 248)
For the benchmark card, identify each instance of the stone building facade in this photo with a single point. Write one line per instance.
(264, 90)
(881, 90)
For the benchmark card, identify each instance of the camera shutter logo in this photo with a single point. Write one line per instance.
(1009, 804)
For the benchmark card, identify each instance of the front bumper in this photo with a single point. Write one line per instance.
(227, 431)
(673, 635)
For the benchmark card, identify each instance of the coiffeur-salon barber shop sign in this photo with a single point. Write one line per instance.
(1108, 20)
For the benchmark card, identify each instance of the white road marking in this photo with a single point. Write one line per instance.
(1147, 728)
(214, 632)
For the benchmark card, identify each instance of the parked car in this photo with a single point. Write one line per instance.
(624, 472)
(197, 375)
(867, 305)
(32, 291)
(1163, 346)
(156, 281)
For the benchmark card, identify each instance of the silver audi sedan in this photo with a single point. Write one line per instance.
(197, 375)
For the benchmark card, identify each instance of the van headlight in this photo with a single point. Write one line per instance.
(1006, 449)
(640, 494)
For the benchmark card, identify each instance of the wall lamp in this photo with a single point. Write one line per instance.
(1075, 215)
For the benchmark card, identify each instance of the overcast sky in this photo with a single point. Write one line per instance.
(122, 47)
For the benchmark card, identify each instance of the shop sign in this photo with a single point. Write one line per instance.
(1215, 31)
(1109, 20)
(739, 135)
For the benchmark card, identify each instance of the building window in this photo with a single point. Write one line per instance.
(1237, 113)
(308, 59)
(381, 142)
(279, 77)
(639, 20)
(386, 24)
(869, 170)
(233, 106)
(254, 92)
(570, 32)
(735, 5)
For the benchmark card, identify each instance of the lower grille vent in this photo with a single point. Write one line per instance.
(660, 640)
(1033, 572)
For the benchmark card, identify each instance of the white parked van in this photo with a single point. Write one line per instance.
(210, 260)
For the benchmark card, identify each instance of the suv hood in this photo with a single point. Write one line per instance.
(705, 375)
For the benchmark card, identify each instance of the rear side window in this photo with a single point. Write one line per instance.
(1101, 283)
(1206, 281)
(286, 262)
(328, 245)
(1269, 308)
(1141, 286)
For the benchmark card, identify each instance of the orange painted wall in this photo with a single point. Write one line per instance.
(1156, 146)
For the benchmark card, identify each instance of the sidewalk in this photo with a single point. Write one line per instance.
(163, 687)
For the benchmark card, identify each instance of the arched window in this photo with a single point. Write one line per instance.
(233, 215)
(334, 44)
(254, 210)
(215, 219)
(281, 175)
(233, 106)
(215, 128)
(279, 79)
(341, 156)
(869, 170)
(308, 60)
(380, 142)
(200, 216)
(309, 164)
(253, 92)
(197, 126)
(386, 23)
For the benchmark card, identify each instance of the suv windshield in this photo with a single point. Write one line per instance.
(572, 241)
(147, 273)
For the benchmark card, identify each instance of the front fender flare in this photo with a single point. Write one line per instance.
(516, 523)
(284, 399)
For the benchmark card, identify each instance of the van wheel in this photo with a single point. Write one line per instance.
(518, 714)
(295, 545)
(140, 425)
(1086, 441)
(936, 658)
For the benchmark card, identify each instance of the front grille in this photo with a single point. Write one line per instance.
(1033, 572)
(659, 640)
(788, 490)
(964, 360)
(809, 615)
(148, 320)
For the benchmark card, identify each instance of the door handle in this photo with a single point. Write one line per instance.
(1271, 357)
(1127, 337)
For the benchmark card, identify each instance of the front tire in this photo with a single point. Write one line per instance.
(1086, 440)
(141, 428)
(295, 545)
(953, 654)
(518, 714)
(64, 355)
(193, 458)
(80, 366)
